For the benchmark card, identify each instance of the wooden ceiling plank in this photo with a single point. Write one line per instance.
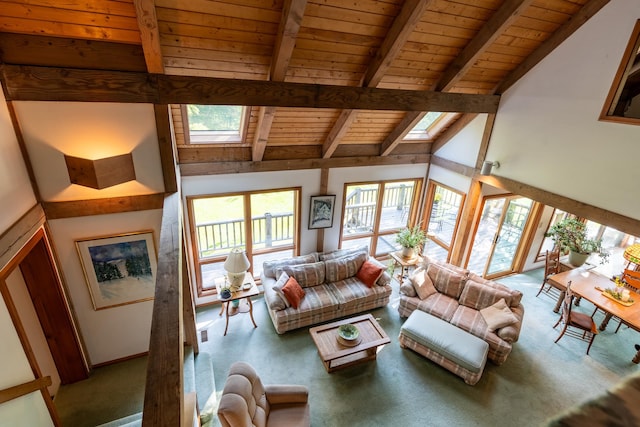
(495, 26)
(575, 22)
(292, 13)
(397, 36)
(149, 34)
(28, 83)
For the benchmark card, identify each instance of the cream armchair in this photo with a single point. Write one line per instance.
(246, 402)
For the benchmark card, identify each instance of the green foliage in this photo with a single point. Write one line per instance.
(571, 235)
(214, 117)
(411, 237)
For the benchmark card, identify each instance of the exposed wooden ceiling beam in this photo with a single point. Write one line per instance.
(24, 83)
(150, 35)
(216, 168)
(339, 129)
(560, 35)
(403, 25)
(400, 131)
(495, 26)
(292, 13)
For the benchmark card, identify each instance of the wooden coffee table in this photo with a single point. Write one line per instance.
(335, 355)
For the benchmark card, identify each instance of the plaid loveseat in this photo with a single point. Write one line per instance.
(331, 287)
(457, 297)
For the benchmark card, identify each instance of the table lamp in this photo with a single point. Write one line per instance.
(236, 266)
(632, 254)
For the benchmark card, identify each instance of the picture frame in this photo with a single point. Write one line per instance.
(321, 211)
(120, 269)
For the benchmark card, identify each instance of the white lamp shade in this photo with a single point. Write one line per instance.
(237, 262)
(236, 265)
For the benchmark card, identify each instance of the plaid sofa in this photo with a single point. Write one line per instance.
(331, 287)
(459, 297)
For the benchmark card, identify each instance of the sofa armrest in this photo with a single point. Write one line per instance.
(406, 288)
(285, 393)
(511, 333)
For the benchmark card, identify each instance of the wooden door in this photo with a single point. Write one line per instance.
(46, 293)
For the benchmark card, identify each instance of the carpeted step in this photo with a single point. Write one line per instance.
(134, 420)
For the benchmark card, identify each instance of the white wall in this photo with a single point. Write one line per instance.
(29, 410)
(547, 132)
(91, 131)
(111, 333)
(463, 147)
(16, 195)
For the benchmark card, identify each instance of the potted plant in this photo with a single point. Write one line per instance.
(411, 238)
(570, 235)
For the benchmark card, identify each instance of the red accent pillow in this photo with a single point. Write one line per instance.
(293, 291)
(369, 273)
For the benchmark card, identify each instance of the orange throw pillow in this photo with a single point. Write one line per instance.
(369, 273)
(293, 291)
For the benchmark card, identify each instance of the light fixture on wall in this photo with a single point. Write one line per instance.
(236, 266)
(101, 173)
(487, 166)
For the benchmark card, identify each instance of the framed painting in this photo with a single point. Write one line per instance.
(321, 211)
(119, 269)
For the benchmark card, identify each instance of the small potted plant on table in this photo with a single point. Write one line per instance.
(411, 238)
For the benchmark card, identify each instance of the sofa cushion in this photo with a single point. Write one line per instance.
(280, 302)
(307, 275)
(498, 315)
(293, 292)
(369, 273)
(515, 296)
(338, 253)
(344, 267)
(445, 280)
(439, 305)
(422, 283)
(477, 295)
(269, 268)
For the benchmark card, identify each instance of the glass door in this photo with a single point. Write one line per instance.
(498, 235)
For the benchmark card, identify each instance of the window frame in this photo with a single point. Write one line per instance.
(428, 211)
(198, 262)
(373, 235)
(216, 137)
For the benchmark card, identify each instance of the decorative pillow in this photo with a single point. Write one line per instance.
(515, 296)
(498, 315)
(339, 253)
(480, 295)
(306, 275)
(342, 268)
(369, 273)
(269, 268)
(422, 284)
(446, 281)
(385, 278)
(293, 292)
(281, 302)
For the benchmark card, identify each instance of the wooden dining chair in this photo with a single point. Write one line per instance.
(551, 267)
(575, 324)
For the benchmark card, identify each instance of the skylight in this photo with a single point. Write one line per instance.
(421, 130)
(215, 123)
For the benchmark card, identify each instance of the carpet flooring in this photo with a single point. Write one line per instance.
(538, 380)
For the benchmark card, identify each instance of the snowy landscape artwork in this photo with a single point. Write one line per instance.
(119, 270)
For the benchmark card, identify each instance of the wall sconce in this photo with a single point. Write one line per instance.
(101, 173)
(236, 265)
(487, 166)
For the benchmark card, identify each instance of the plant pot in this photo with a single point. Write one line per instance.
(577, 259)
(408, 252)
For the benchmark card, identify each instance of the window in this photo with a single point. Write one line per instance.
(265, 224)
(442, 218)
(215, 123)
(623, 103)
(374, 212)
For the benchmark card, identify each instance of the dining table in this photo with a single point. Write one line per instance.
(590, 285)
